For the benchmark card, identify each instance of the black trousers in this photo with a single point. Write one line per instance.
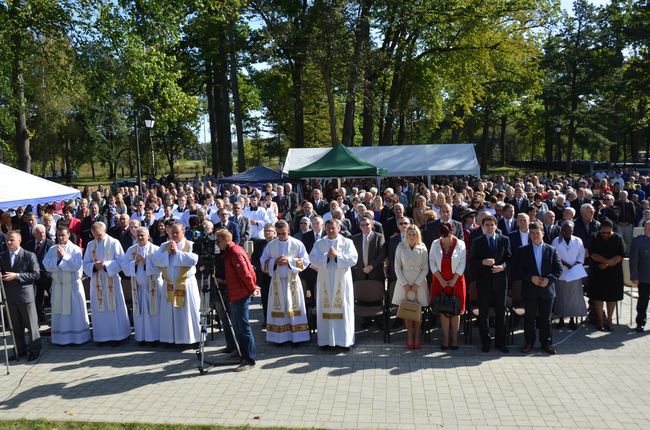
(642, 304)
(264, 282)
(24, 316)
(42, 285)
(538, 313)
(492, 294)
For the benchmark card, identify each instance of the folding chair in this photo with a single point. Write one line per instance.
(369, 301)
(633, 292)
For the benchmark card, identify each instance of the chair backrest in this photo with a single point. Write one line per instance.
(637, 231)
(626, 273)
(368, 291)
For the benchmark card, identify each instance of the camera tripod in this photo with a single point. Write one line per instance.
(205, 310)
(3, 306)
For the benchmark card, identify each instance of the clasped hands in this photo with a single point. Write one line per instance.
(539, 281)
(332, 253)
(408, 287)
(607, 263)
(173, 248)
(490, 262)
(282, 261)
(99, 265)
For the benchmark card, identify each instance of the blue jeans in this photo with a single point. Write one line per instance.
(239, 311)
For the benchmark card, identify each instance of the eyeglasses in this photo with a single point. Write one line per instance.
(404, 223)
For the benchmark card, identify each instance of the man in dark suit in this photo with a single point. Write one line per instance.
(19, 272)
(39, 245)
(432, 229)
(489, 255)
(539, 267)
(586, 225)
(508, 223)
(243, 222)
(321, 207)
(229, 224)
(519, 237)
(519, 202)
(551, 230)
(391, 224)
(87, 223)
(291, 203)
(371, 249)
(309, 275)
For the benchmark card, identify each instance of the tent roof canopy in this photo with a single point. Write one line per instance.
(335, 162)
(401, 160)
(22, 189)
(256, 175)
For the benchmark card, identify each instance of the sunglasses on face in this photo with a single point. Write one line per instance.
(404, 223)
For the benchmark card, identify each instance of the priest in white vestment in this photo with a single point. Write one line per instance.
(258, 218)
(180, 304)
(333, 256)
(102, 266)
(146, 287)
(69, 314)
(283, 258)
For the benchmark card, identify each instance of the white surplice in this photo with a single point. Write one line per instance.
(334, 291)
(108, 309)
(286, 319)
(260, 216)
(179, 324)
(70, 323)
(149, 290)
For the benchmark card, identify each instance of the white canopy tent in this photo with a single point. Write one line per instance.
(401, 160)
(21, 189)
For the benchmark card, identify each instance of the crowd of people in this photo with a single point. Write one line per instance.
(538, 244)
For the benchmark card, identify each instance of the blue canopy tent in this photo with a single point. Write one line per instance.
(22, 189)
(256, 175)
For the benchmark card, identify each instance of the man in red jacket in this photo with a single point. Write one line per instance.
(241, 284)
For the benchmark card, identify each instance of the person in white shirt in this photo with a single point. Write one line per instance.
(258, 218)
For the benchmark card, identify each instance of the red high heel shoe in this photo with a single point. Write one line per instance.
(417, 346)
(410, 346)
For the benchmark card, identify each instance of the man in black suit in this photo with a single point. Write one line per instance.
(508, 223)
(539, 267)
(391, 224)
(39, 245)
(87, 222)
(551, 230)
(519, 237)
(321, 207)
(291, 203)
(432, 229)
(243, 223)
(309, 275)
(229, 224)
(586, 225)
(19, 272)
(263, 278)
(519, 202)
(489, 255)
(371, 248)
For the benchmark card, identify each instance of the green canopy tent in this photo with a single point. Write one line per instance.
(336, 163)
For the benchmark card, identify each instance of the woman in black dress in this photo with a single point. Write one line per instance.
(606, 251)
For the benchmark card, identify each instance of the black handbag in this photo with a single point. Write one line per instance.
(444, 304)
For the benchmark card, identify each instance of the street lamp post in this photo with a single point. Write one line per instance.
(558, 130)
(149, 121)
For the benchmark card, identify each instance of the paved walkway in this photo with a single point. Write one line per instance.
(597, 381)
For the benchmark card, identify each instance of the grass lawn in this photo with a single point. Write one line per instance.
(78, 425)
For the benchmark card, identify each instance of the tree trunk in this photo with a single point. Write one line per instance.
(92, 169)
(212, 118)
(392, 109)
(298, 104)
(368, 130)
(236, 102)
(331, 107)
(485, 147)
(223, 105)
(22, 142)
(401, 133)
(360, 47)
(455, 129)
(502, 139)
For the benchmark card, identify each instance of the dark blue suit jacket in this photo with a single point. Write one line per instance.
(233, 228)
(527, 268)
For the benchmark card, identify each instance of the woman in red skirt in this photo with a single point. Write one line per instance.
(447, 263)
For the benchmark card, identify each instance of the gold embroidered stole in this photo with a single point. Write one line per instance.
(291, 306)
(176, 296)
(331, 310)
(100, 277)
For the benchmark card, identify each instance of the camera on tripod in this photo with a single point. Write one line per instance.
(207, 250)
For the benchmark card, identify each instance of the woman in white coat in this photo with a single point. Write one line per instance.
(411, 269)
(447, 263)
(569, 298)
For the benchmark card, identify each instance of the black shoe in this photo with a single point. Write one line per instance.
(244, 366)
(32, 356)
(485, 348)
(608, 327)
(639, 329)
(503, 349)
(14, 357)
(560, 323)
(115, 343)
(453, 347)
(324, 347)
(227, 350)
(444, 347)
(573, 325)
(142, 343)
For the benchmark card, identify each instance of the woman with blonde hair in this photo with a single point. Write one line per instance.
(411, 269)
(447, 262)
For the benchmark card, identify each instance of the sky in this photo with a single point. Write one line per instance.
(204, 131)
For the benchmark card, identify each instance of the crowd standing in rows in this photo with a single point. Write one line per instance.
(541, 243)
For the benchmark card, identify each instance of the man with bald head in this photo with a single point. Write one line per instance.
(101, 264)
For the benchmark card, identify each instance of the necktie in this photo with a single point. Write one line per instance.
(492, 244)
(365, 251)
(13, 259)
(38, 248)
